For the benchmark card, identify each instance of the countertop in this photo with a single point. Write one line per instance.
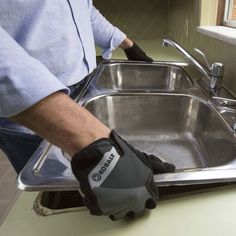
(205, 214)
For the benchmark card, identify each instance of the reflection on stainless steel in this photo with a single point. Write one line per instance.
(175, 121)
(67, 156)
(234, 126)
(226, 102)
(123, 76)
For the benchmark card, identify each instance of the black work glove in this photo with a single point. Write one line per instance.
(135, 53)
(116, 179)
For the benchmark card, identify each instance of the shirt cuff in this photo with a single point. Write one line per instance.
(117, 38)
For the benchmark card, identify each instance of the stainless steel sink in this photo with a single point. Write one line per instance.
(181, 129)
(133, 76)
(158, 109)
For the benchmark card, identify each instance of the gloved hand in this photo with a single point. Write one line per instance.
(116, 179)
(135, 53)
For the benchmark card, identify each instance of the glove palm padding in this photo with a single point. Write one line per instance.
(116, 179)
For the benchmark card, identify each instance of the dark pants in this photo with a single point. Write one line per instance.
(18, 142)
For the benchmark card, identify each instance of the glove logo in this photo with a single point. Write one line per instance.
(103, 169)
(96, 177)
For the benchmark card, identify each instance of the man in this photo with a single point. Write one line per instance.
(47, 46)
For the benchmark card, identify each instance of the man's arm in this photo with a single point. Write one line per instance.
(106, 36)
(33, 96)
(63, 123)
(24, 81)
(109, 37)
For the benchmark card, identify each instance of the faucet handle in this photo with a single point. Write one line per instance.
(217, 69)
(204, 57)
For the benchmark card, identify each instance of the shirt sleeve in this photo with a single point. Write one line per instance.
(24, 81)
(107, 36)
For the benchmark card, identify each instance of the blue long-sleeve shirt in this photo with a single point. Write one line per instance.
(46, 45)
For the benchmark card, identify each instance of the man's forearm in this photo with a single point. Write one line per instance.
(61, 121)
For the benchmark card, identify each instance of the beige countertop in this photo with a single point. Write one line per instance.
(207, 214)
(211, 213)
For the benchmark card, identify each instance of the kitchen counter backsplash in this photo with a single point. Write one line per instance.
(139, 19)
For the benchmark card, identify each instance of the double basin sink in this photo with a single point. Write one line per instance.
(159, 109)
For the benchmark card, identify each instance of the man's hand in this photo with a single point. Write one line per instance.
(116, 179)
(134, 52)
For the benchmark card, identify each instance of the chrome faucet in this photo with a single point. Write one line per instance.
(214, 72)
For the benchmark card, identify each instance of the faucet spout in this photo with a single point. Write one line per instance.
(214, 73)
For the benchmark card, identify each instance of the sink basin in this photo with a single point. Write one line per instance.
(181, 129)
(158, 109)
(130, 76)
